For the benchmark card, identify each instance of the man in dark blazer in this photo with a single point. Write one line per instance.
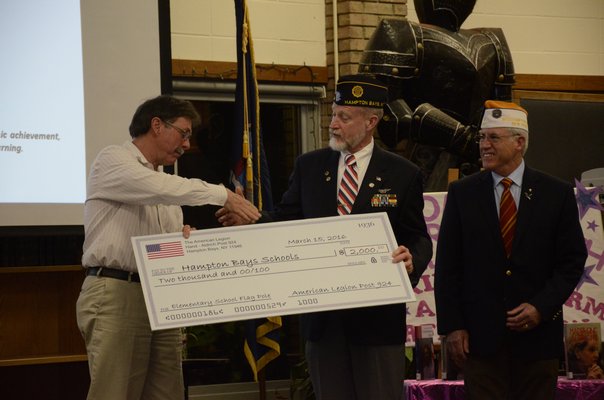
(502, 310)
(358, 354)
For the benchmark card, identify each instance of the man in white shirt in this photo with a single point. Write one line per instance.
(128, 195)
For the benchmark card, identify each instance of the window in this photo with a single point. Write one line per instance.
(290, 123)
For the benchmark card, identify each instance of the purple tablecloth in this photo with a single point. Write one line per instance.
(437, 389)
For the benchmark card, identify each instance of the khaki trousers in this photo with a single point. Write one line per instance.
(126, 360)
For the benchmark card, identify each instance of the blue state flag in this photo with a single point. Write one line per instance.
(249, 170)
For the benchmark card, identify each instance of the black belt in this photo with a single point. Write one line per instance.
(113, 273)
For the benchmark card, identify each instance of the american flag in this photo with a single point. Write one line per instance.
(164, 250)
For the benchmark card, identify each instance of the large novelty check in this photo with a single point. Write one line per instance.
(263, 270)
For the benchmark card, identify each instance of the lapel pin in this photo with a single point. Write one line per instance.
(528, 194)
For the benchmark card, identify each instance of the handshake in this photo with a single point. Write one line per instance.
(237, 210)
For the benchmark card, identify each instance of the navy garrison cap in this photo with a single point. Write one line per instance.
(361, 91)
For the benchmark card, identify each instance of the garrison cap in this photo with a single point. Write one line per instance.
(361, 91)
(503, 114)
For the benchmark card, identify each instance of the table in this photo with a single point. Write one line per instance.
(437, 389)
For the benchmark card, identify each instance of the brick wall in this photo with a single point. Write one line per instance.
(356, 22)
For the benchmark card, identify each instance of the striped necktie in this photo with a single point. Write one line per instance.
(507, 216)
(349, 186)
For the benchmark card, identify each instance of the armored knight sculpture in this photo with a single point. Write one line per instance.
(439, 77)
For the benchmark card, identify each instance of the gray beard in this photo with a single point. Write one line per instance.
(337, 145)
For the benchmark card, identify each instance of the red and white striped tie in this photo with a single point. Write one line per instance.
(507, 215)
(349, 186)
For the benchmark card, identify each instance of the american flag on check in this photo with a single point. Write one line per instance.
(164, 250)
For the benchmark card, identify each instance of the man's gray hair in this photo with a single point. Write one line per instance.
(523, 133)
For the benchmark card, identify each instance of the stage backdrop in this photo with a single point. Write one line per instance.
(586, 304)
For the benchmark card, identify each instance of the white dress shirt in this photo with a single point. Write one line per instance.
(126, 197)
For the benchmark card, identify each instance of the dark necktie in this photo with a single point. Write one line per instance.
(349, 186)
(507, 215)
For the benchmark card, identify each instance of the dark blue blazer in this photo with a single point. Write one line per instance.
(312, 193)
(476, 284)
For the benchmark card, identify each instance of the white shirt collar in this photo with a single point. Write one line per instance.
(362, 156)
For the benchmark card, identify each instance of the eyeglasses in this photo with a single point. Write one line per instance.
(493, 138)
(186, 135)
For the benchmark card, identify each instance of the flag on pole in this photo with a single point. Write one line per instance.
(249, 170)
